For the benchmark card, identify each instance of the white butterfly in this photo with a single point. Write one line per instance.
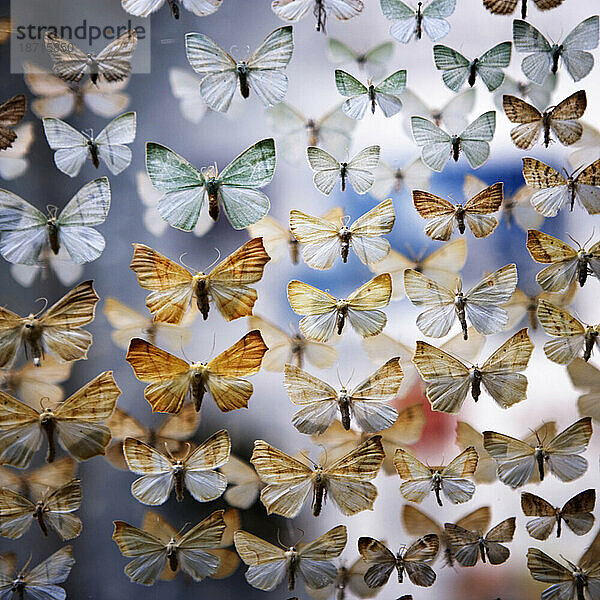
(539, 95)
(373, 61)
(73, 147)
(543, 58)
(67, 271)
(390, 180)
(438, 146)
(263, 72)
(294, 10)
(409, 22)
(144, 8)
(186, 88)
(13, 160)
(359, 170)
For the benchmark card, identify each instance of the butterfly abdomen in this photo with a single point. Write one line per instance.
(532, 315)
(202, 298)
(473, 72)
(32, 337)
(341, 319)
(343, 169)
(459, 305)
(174, 6)
(590, 339)
(212, 191)
(372, 98)
(53, 236)
(419, 24)
(344, 236)
(318, 495)
(571, 191)
(179, 475)
(400, 570)
(582, 269)
(455, 147)
(580, 584)
(291, 567)
(198, 390)
(344, 406)
(294, 250)
(93, 148)
(49, 426)
(313, 132)
(321, 16)
(38, 515)
(172, 557)
(546, 127)
(78, 98)
(460, 219)
(482, 549)
(476, 384)
(556, 52)
(242, 72)
(539, 458)
(436, 485)
(523, 9)
(558, 525)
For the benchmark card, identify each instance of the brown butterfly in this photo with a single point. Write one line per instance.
(11, 113)
(585, 376)
(58, 330)
(172, 287)
(34, 484)
(172, 379)
(76, 423)
(414, 560)
(561, 120)
(507, 7)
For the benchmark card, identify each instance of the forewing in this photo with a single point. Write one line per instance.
(267, 562)
(454, 65)
(360, 169)
(515, 459)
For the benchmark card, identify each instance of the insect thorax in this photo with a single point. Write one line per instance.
(344, 236)
(313, 131)
(455, 147)
(198, 383)
(475, 375)
(172, 554)
(459, 215)
(344, 406)
(473, 71)
(52, 229)
(583, 258)
(292, 559)
(201, 292)
(556, 53)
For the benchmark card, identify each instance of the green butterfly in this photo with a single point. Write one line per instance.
(185, 188)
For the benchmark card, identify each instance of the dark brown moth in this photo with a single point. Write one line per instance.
(11, 113)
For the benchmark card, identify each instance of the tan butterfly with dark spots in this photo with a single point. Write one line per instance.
(155, 525)
(481, 304)
(555, 190)
(517, 460)
(579, 580)
(413, 560)
(243, 483)
(323, 241)
(587, 377)
(367, 403)
(407, 430)
(57, 330)
(54, 510)
(325, 314)
(573, 338)
(173, 287)
(269, 564)
(291, 348)
(420, 480)
(417, 523)
(289, 481)
(566, 264)
(560, 120)
(173, 431)
(77, 424)
(576, 514)
(442, 216)
(11, 113)
(172, 379)
(449, 380)
(468, 546)
(192, 551)
(161, 473)
(507, 7)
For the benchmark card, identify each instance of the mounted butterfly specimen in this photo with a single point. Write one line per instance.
(481, 304)
(346, 480)
(366, 403)
(555, 191)
(268, 565)
(172, 379)
(25, 232)
(323, 241)
(294, 10)
(57, 330)
(517, 460)
(373, 60)
(71, 64)
(442, 216)
(243, 484)
(456, 69)
(185, 189)
(325, 314)
(586, 377)
(449, 380)
(420, 480)
(173, 287)
(263, 72)
(413, 560)
(12, 112)
(507, 7)
(72, 147)
(577, 514)
(390, 179)
(437, 146)
(538, 95)
(144, 8)
(409, 22)
(386, 94)
(543, 58)
(566, 264)
(560, 120)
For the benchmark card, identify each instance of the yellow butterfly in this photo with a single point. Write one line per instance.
(442, 265)
(57, 331)
(413, 560)
(323, 241)
(346, 481)
(34, 484)
(517, 460)
(572, 336)
(324, 313)
(174, 430)
(441, 216)
(55, 509)
(171, 378)
(31, 383)
(585, 376)
(566, 263)
(152, 553)
(295, 348)
(128, 323)
(417, 523)
(243, 483)
(449, 380)
(195, 471)
(172, 287)
(420, 480)
(268, 564)
(76, 423)
(367, 402)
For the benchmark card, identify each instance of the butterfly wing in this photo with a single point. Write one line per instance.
(416, 556)
(112, 139)
(463, 543)
(319, 239)
(480, 206)
(583, 37)
(545, 248)
(356, 93)
(537, 64)
(417, 477)
(563, 451)
(515, 459)
(436, 144)
(315, 565)
(503, 532)
(41, 581)
(434, 18)
(244, 484)
(474, 139)
(70, 63)
(364, 302)
(541, 527)
(71, 147)
(438, 213)
(388, 92)
(545, 569)
(563, 118)
(491, 63)
(360, 169)
(266, 562)
(568, 330)
(454, 66)
(486, 466)
(319, 307)
(577, 512)
(417, 523)
(59, 506)
(455, 486)
(15, 514)
(114, 61)
(552, 192)
(587, 184)
(380, 560)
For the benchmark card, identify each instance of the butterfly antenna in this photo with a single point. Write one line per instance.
(188, 452)
(28, 563)
(308, 458)
(169, 454)
(214, 262)
(300, 538)
(45, 301)
(345, 220)
(213, 344)
(182, 263)
(42, 400)
(52, 210)
(187, 524)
